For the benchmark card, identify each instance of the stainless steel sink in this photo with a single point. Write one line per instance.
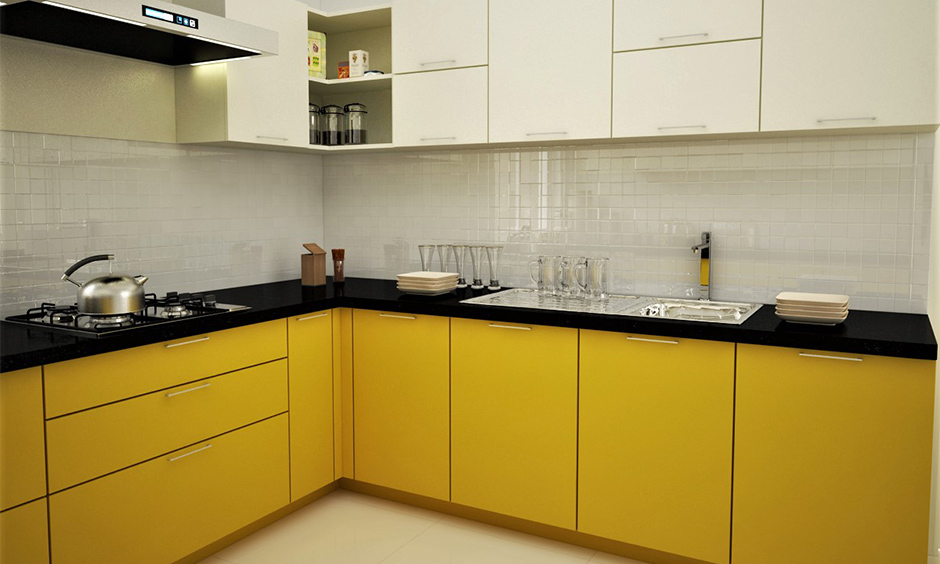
(733, 313)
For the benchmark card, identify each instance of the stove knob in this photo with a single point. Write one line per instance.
(209, 300)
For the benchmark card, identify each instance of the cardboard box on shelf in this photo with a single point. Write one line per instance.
(316, 54)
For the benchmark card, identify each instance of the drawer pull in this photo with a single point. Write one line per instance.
(411, 317)
(827, 120)
(662, 341)
(170, 346)
(312, 317)
(664, 128)
(438, 62)
(497, 326)
(546, 133)
(849, 358)
(175, 458)
(206, 385)
(668, 37)
(438, 139)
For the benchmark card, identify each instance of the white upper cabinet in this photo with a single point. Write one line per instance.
(848, 63)
(438, 34)
(687, 90)
(427, 111)
(643, 24)
(550, 70)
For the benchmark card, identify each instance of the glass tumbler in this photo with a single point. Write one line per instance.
(547, 268)
(476, 259)
(493, 254)
(427, 254)
(460, 257)
(568, 276)
(595, 278)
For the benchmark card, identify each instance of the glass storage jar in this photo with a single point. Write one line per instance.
(331, 125)
(355, 123)
(314, 124)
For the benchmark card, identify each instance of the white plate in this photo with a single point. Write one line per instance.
(427, 276)
(812, 312)
(427, 292)
(802, 298)
(812, 320)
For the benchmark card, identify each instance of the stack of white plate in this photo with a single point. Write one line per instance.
(427, 283)
(815, 309)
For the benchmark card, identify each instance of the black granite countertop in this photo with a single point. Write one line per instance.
(865, 332)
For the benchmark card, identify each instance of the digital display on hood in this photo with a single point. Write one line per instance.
(170, 17)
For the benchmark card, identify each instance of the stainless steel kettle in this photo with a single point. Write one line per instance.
(114, 294)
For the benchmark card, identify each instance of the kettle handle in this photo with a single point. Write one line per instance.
(82, 263)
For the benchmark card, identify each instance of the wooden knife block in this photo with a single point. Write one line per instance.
(313, 270)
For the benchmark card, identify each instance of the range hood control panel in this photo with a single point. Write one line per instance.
(170, 17)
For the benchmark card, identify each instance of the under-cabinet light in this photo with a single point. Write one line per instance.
(232, 45)
(99, 14)
(219, 61)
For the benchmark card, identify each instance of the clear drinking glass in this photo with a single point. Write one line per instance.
(460, 257)
(548, 269)
(427, 254)
(476, 258)
(443, 255)
(568, 276)
(595, 278)
(493, 255)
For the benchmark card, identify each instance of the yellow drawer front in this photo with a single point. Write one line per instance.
(831, 458)
(514, 417)
(656, 422)
(310, 354)
(24, 534)
(162, 510)
(92, 443)
(95, 380)
(401, 391)
(22, 443)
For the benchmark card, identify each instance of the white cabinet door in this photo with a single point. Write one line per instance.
(848, 63)
(712, 88)
(435, 108)
(267, 96)
(550, 64)
(438, 34)
(642, 24)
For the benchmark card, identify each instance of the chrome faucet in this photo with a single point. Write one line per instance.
(705, 271)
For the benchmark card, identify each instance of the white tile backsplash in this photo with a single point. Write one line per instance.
(192, 218)
(841, 214)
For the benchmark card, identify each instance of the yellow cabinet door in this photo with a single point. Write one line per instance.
(400, 401)
(831, 458)
(514, 418)
(310, 363)
(94, 442)
(169, 507)
(655, 441)
(24, 534)
(22, 438)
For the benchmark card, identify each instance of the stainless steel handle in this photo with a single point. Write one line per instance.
(271, 137)
(497, 326)
(827, 120)
(189, 390)
(437, 138)
(438, 62)
(170, 346)
(849, 358)
(662, 341)
(547, 133)
(190, 453)
(398, 316)
(668, 37)
(682, 127)
(312, 317)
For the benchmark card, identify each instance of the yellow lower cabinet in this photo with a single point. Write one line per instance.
(310, 357)
(161, 510)
(401, 390)
(24, 534)
(832, 458)
(22, 438)
(514, 418)
(655, 442)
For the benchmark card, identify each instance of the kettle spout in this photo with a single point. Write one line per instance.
(141, 279)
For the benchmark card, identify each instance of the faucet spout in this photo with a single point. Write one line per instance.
(704, 264)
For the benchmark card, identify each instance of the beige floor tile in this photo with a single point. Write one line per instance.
(604, 558)
(343, 527)
(515, 536)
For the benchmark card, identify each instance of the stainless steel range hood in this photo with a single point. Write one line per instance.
(148, 30)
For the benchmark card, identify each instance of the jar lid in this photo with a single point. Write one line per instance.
(355, 107)
(331, 109)
(314, 108)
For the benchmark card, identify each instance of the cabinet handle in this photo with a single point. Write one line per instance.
(665, 127)
(827, 120)
(312, 317)
(170, 346)
(438, 138)
(175, 458)
(849, 358)
(668, 37)
(189, 390)
(438, 62)
(497, 326)
(662, 341)
(271, 137)
(547, 133)
(398, 316)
